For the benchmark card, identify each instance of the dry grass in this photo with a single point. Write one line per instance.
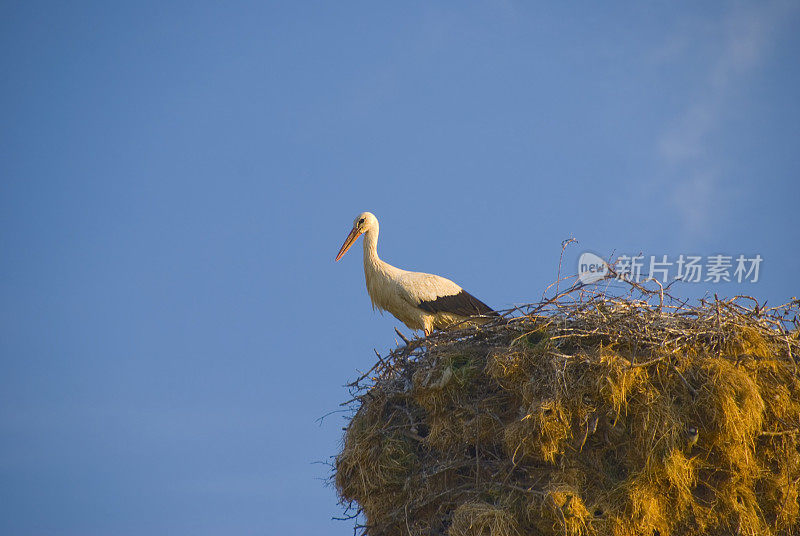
(590, 415)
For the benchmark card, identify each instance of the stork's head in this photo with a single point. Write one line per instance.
(363, 223)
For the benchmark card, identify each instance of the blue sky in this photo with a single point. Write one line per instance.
(178, 176)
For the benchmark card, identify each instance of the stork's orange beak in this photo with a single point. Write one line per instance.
(348, 242)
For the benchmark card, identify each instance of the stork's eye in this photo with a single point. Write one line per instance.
(361, 221)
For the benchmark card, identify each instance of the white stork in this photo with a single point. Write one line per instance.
(420, 301)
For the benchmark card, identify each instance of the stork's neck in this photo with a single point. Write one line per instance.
(371, 260)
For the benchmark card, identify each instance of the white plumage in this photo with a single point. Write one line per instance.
(419, 300)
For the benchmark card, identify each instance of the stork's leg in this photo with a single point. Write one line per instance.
(427, 342)
(427, 325)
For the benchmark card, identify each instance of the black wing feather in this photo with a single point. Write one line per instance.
(463, 304)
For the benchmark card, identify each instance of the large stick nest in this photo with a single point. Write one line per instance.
(585, 415)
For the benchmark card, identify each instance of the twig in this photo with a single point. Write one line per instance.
(564, 245)
(402, 336)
